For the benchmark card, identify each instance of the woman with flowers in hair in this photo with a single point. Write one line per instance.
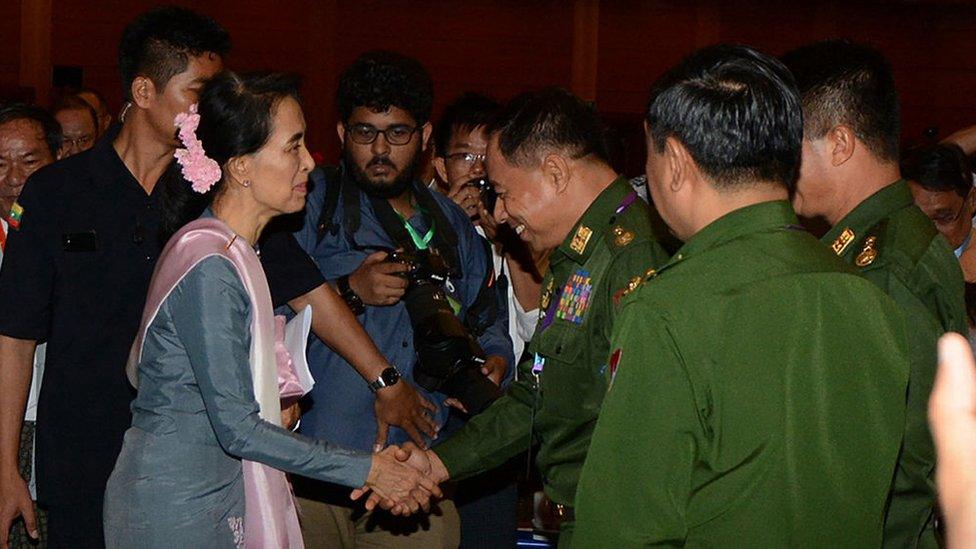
(204, 462)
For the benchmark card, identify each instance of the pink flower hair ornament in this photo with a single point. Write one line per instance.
(200, 170)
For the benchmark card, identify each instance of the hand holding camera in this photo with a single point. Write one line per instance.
(378, 281)
(468, 197)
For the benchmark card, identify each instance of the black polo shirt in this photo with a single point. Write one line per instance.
(76, 274)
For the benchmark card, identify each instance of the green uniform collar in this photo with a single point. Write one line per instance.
(867, 214)
(597, 219)
(750, 219)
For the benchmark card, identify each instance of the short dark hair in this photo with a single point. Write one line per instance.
(737, 112)
(469, 111)
(236, 118)
(942, 167)
(94, 93)
(550, 119)
(74, 103)
(159, 43)
(846, 83)
(50, 126)
(379, 80)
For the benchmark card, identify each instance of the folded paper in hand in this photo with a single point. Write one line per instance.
(296, 339)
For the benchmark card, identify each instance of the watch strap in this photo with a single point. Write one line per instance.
(348, 295)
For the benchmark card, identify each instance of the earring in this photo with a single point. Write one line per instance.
(246, 183)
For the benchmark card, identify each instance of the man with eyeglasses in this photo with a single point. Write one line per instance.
(356, 217)
(487, 503)
(941, 181)
(79, 124)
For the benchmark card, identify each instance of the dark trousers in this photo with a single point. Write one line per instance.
(487, 507)
(76, 526)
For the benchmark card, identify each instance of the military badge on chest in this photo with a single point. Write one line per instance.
(574, 299)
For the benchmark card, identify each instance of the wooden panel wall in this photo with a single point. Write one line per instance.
(504, 46)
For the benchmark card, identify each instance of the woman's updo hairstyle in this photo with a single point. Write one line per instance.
(236, 118)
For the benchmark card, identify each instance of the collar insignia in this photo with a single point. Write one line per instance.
(845, 238)
(621, 236)
(868, 253)
(581, 239)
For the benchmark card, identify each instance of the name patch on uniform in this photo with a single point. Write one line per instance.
(575, 297)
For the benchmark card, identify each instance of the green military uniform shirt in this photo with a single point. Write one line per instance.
(895, 246)
(610, 244)
(757, 399)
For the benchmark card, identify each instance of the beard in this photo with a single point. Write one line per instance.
(378, 189)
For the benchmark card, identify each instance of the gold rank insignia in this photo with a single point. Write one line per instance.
(868, 253)
(632, 285)
(622, 236)
(581, 239)
(651, 273)
(842, 241)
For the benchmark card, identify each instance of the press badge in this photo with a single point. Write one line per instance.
(538, 363)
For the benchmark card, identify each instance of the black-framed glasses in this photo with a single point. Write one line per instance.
(949, 219)
(466, 158)
(398, 134)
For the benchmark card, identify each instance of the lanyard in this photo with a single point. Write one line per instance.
(3, 238)
(421, 242)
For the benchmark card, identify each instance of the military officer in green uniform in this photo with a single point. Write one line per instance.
(850, 177)
(549, 165)
(757, 383)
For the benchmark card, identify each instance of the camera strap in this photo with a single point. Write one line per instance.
(444, 239)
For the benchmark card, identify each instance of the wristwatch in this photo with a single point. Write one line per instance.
(389, 376)
(347, 294)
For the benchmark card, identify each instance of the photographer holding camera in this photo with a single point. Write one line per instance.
(410, 265)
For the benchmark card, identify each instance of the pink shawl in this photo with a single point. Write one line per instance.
(271, 519)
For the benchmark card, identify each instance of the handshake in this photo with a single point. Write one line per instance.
(403, 479)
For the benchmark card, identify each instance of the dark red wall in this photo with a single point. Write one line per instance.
(502, 47)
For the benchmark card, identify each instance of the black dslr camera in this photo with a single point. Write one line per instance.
(449, 358)
(487, 192)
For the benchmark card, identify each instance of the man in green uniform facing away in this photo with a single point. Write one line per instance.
(757, 384)
(850, 178)
(549, 165)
